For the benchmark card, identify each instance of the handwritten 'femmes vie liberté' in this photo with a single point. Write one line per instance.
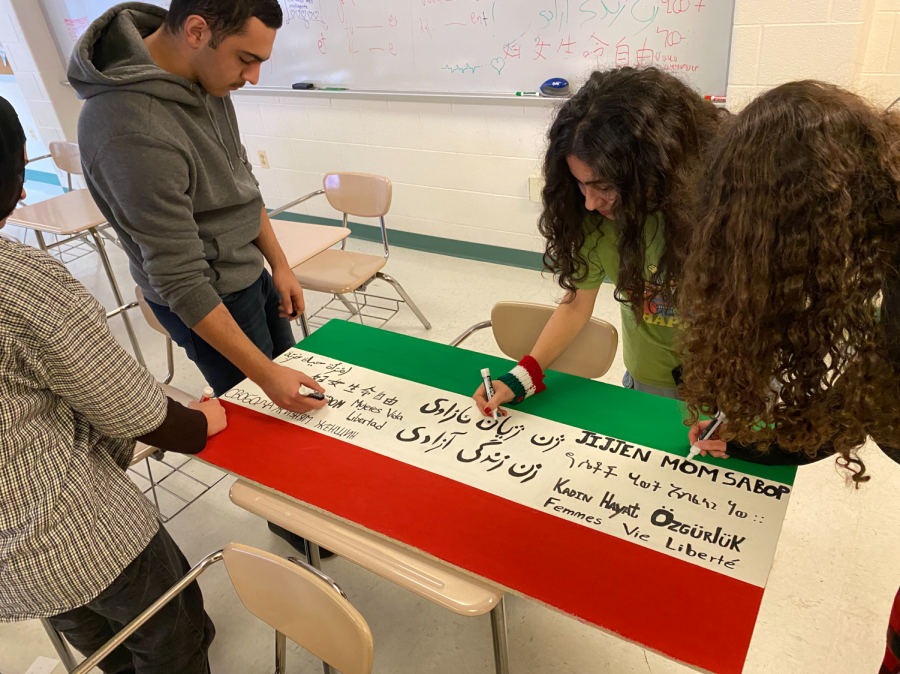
(719, 519)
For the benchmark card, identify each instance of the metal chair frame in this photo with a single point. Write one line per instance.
(68, 658)
(60, 247)
(369, 300)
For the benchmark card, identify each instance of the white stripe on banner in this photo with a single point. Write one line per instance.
(718, 519)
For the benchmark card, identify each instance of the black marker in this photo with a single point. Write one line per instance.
(309, 393)
(707, 433)
(488, 387)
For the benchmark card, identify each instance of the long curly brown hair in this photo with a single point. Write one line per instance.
(787, 268)
(642, 130)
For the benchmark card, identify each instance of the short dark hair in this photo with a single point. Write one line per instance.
(225, 17)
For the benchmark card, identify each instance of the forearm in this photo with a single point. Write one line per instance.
(563, 327)
(183, 430)
(268, 244)
(219, 329)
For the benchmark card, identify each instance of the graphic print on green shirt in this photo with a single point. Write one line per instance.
(647, 345)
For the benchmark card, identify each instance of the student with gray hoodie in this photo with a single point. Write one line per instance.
(162, 159)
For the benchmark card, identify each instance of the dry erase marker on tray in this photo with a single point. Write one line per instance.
(207, 394)
(715, 99)
(309, 393)
(707, 433)
(526, 93)
(488, 388)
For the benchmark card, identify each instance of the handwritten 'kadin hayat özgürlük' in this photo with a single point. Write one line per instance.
(718, 519)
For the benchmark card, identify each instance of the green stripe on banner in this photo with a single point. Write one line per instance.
(511, 257)
(590, 405)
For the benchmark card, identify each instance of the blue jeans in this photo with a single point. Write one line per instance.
(629, 382)
(255, 310)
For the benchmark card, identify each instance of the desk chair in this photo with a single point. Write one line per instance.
(67, 158)
(299, 601)
(340, 272)
(154, 323)
(517, 326)
(437, 582)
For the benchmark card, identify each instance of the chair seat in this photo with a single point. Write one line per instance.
(430, 579)
(301, 241)
(338, 271)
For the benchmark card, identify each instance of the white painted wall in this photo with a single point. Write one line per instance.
(39, 72)
(461, 171)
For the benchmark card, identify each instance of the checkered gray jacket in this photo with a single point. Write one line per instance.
(71, 403)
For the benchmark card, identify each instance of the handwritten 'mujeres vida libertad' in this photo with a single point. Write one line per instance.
(719, 519)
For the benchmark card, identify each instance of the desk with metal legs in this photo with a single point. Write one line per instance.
(69, 216)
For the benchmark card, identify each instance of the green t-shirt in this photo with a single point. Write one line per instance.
(648, 348)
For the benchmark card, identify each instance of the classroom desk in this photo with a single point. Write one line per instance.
(70, 215)
(681, 610)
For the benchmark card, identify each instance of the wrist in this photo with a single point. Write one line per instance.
(260, 370)
(280, 267)
(525, 379)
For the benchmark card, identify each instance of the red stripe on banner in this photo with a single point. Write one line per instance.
(689, 613)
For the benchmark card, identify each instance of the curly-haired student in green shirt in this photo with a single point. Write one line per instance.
(617, 205)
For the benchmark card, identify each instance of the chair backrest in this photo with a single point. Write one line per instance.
(517, 326)
(360, 194)
(67, 157)
(149, 316)
(304, 606)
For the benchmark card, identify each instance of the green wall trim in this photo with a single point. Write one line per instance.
(42, 177)
(510, 257)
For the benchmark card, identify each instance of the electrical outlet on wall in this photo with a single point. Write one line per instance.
(263, 159)
(535, 186)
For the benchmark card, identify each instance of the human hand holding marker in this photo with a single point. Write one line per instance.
(283, 387)
(216, 421)
(711, 444)
(491, 394)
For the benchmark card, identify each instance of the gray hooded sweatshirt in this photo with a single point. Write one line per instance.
(163, 160)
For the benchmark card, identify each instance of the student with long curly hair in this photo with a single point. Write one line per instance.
(791, 291)
(617, 204)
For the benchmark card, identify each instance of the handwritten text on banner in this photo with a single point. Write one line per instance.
(716, 518)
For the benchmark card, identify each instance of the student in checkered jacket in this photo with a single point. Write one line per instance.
(79, 543)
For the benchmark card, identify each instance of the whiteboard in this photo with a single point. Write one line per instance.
(495, 46)
(487, 46)
(68, 19)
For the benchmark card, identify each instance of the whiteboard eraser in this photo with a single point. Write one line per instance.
(303, 85)
(556, 86)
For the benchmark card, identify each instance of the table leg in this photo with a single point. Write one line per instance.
(60, 646)
(101, 250)
(312, 553)
(280, 653)
(39, 235)
(498, 629)
(312, 556)
(304, 325)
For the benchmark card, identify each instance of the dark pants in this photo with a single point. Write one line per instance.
(174, 641)
(255, 310)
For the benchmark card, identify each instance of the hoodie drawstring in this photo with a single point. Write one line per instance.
(219, 133)
(234, 137)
